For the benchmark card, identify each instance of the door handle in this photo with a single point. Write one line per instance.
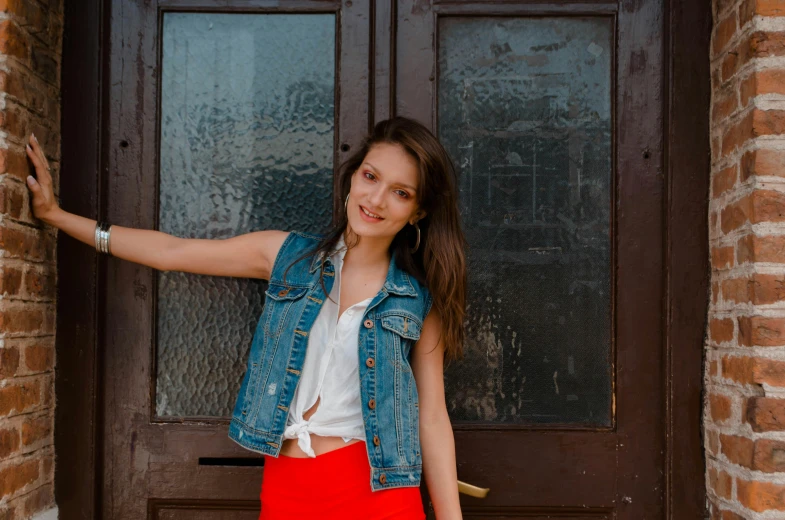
(474, 491)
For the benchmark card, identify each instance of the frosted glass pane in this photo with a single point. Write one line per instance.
(247, 125)
(525, 110)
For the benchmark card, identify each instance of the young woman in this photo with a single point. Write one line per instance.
(344, 389)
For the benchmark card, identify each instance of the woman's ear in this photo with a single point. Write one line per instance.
(418, 216)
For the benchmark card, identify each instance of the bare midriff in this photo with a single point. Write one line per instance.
(319, 444)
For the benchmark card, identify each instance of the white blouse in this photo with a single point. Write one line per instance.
(330, 370)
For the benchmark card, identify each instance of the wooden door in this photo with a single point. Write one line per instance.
(224, 118)
(553, 116)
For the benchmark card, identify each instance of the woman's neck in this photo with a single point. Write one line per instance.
(371, 252)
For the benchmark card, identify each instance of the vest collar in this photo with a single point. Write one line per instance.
(397, 281)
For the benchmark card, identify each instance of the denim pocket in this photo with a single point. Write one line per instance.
(278, 302)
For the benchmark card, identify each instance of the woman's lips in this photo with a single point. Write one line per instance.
(366, 217)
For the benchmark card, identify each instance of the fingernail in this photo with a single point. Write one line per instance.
(34, 137)
(28, 147)
(31, 179)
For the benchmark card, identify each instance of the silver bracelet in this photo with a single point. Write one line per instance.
(102, 235)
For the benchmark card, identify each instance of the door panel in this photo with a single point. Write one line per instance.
(224, 119)
(557, 405)
(524, 108)
(247, 139)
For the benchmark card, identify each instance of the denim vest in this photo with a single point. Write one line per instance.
(391, 325)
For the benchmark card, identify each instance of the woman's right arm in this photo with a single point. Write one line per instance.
(247, 256)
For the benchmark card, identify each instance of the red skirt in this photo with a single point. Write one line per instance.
(334, 485)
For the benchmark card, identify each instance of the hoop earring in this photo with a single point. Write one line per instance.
(416, 244)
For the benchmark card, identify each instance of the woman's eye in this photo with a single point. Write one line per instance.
(368, 175)
(402, 194)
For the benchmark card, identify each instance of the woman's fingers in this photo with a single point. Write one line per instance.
(43, 199)
(39, 160)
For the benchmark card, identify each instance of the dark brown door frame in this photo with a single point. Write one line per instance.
(79, 385)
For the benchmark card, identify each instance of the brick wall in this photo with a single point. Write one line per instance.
(30, 50)
(745, 358)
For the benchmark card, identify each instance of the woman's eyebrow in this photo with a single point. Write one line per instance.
(374, 168)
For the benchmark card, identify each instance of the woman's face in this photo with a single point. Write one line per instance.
(385, 186)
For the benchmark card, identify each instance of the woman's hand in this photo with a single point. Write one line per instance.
(44, 200)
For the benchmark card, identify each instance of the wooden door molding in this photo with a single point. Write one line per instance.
(87, 145)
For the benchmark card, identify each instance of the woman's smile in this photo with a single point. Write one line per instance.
(368, 216)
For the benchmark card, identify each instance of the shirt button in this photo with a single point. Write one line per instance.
(368, 324)
(369, 362)
(376, 440)
(383, 478)
(283, 292)
(372, 404)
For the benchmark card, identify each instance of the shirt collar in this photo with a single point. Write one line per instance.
(397, 281)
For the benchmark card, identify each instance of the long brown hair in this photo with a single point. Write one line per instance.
(439, 262)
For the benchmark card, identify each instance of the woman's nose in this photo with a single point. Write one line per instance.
(377, 197)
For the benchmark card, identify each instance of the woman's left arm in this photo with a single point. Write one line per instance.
(436, 436)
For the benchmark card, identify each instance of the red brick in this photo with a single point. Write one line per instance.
(29, 14)
(713, 368)
(9, 442)
(39, 358)
(754, 124)
(23, 318)
(722, 258)
(768, 288)
(769, 456)
(48, 464)
(724, 31)
(721, 330)
(724, 180)
(12, 200)
(750, 8)
(713, 442)
(760, 289)
(730, 515)
(753, 248)
(40, 283)
(9, 362)
(10, 280)
(737, 290)
(13, 41)
(36, 429)
(14, 478)
(769, 371)
(756, 45)
(759, 206)
(720, 482)
(761, 331)
(20, 397)
(39, 500)
(737, 134)
(738, 368)
(760, 496)
(761, 82)
(28, 243)
(715, 292)
(15, 163)
(766, 414)
(763, 162)
(720, 407)
(738, 449)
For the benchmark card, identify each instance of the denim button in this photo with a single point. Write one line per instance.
(369, 362)
(283, 292)
(368, 324)
(383, 478)
(372, 404)
(376, 440)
